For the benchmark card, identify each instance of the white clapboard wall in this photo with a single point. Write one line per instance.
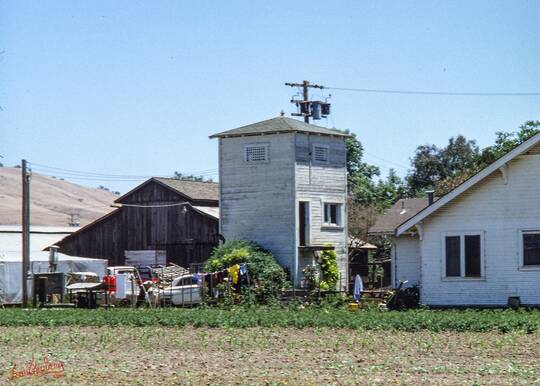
(145, 257)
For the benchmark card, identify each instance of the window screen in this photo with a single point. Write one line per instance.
(320, 153)
(256, 153)
(531, 248)
(472, 256)
(453, 267)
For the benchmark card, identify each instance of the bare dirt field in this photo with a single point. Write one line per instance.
(288, 356)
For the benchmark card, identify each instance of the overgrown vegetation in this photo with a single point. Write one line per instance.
(267, 278)
(240, 317)
(325, 274)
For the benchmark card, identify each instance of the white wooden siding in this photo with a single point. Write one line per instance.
(318, 183)
(406, 255)
(257, 201)
(500, 211)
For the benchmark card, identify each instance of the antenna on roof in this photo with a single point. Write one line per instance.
(316, 109)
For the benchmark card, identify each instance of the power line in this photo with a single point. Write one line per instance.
(107, 178)
(92, 175)
(418, 92)
(385, 160)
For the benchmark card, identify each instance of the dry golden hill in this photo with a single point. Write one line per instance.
(51, 200)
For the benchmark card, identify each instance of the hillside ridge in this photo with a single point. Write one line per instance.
(51, 200)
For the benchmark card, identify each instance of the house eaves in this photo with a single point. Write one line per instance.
(500, 164)
(497, 165)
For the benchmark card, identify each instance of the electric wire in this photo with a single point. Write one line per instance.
(385, 160)
(420, 92)
(62, 173)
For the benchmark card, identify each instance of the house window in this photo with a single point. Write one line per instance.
(320, 153)
(463, 255)
(531, 248)
(257, 153)
(332, 214)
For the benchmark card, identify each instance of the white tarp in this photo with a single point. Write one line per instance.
(11, 266)
(121, 283)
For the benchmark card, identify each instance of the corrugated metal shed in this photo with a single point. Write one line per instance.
(40, 237)
(212, 211)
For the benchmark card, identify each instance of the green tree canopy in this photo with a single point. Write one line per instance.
(506, 141)
(431, 164)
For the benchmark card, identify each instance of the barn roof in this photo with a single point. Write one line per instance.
(196, 190)
(400, 212)
(278, 125)
(193, 190)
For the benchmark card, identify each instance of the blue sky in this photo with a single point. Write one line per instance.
(136, 87)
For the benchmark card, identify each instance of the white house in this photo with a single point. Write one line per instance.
(283, 185)
(479, 245)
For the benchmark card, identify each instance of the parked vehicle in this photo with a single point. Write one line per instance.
(184, 290)
(147, 274)
(132, 285)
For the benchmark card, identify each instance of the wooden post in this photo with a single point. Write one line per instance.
(25, 231)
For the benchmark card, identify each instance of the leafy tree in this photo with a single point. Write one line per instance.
(504, 143)
(459, 155)
(367, 198)
(360, 174)
(431, 164)
(390, 190)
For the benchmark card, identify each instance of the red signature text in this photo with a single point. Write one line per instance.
(35, 369)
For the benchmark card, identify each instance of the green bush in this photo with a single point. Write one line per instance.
(267, 278)
(329, 269)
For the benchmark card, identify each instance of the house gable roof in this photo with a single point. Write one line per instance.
(499, 164)
(400, 212)
(279, 125)
(190, 190)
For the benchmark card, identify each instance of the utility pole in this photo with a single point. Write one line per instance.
(305, 103)
(25, 231)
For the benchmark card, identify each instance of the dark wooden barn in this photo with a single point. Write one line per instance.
(172, 217)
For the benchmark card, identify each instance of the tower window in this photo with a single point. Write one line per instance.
(332, 214)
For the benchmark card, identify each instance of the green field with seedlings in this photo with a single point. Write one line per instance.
(153, 355)
(261, 316)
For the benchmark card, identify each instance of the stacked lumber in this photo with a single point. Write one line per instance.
(169, 272)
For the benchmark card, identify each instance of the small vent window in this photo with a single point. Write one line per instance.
(320, 153)
(256, 154)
